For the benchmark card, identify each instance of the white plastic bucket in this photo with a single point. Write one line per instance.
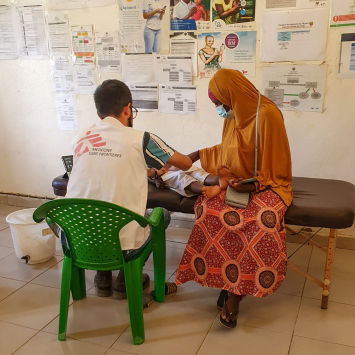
(34, 243)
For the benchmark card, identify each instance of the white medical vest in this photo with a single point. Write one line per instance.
(109, 165)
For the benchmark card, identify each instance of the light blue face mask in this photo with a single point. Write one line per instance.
(223, 113)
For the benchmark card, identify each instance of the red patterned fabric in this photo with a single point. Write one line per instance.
(239, 250)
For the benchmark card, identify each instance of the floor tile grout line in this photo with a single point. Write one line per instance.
(71, 338)
(25, 343)
(199, 348)
(26, 283)
(7, 255)
(34, 277)
(324, 341)
(294, 326)
(47, 270)
(111, 347)
(23, 326)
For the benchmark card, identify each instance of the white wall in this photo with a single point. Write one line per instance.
(31, 145)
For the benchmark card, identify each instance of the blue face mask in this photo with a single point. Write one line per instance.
(223, 113)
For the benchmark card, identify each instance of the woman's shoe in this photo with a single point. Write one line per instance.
(222, 295)
(230, 324)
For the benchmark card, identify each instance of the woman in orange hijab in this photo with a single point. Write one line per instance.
(242, 251)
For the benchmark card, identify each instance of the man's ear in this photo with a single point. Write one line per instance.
(127, 110)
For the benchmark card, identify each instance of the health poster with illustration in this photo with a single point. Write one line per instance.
(186, 15)
(298, 88)
(233, 14)
(144, 26)
(234, 50)
(343, 13)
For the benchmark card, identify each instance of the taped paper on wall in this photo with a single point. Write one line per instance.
(177, 99)
(108, 51)
(8, 42)
(84, 79)
(32, 31)
(77, 4)
(145, 96)
(235, 50)
(347, 56)
(67, 116)
(138, 68)
(58, 30)
(294, 4)
(236, 15)
(294, 35)
(63, 75)
(185, 43)
(83, 43)
(299, 87)
(343, 13)
(173, 69)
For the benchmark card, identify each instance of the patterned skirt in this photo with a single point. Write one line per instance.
(239, 250)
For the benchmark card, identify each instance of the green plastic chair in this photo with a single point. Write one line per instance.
(92, 230)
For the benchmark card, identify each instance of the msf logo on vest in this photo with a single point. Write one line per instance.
(83, 145)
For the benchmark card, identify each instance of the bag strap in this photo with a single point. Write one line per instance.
(256, 138)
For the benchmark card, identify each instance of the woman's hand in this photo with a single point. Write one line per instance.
(237, 186)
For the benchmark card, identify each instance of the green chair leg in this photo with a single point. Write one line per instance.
(78, 285)
(159, 261)
(133, 280)
(64, 298)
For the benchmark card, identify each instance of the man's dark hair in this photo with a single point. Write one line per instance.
(111, 97)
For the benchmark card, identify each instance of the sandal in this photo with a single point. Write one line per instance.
(170, 288)
(147, 300)
(230, 324)
(222, 295)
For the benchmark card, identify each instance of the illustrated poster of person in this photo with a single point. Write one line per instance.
(144, 26)
(218, 50)
(233, 14)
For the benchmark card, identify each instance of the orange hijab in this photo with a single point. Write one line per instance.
(238, 138)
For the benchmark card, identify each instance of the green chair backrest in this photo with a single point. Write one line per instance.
(91, 228)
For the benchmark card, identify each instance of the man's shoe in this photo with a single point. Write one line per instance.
(119, 287)
(103, 283)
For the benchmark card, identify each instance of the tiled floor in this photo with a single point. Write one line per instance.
(287, 322)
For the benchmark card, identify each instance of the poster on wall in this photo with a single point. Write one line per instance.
(294, 35)
(77, 4)
(347, 56)
(83, 41)
(295, 87)
(188, 15)
(8, 43)
(108, 51)
(234, 50)
(144, 26)
(237, 14)
(185, 43)
(32, 31)
(294, 4)
(343, 13)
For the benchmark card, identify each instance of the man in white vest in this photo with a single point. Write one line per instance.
(110, 164)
